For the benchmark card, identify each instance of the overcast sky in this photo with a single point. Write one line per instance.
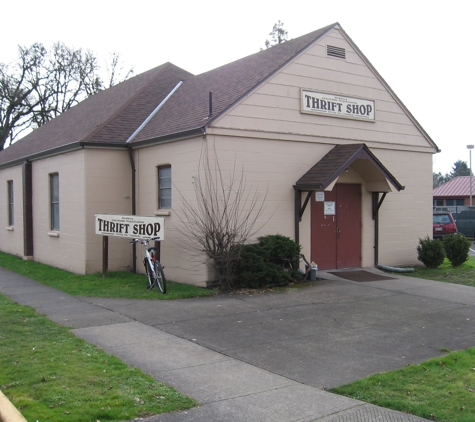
(421, 48)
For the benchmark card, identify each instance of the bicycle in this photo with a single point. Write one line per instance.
(153, 268)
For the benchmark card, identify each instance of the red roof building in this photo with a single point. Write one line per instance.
(455, 192)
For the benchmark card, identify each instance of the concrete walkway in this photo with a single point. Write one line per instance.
(270, 357)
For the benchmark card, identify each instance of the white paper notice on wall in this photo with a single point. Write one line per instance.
(329, 208)
(319, 196)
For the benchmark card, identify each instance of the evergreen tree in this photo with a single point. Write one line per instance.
(278, 35)
(460, 168)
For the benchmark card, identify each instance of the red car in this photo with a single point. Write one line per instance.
(444, 224)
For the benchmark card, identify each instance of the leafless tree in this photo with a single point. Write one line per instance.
(223, 214)
(44, 83)
(17, 87)
(117, 70)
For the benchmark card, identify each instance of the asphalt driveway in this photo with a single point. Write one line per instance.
(269, 357)
(323, 334)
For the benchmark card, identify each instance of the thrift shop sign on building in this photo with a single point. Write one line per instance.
(337, 105)
(134, 226)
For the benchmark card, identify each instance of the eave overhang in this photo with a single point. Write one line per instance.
(325, 173)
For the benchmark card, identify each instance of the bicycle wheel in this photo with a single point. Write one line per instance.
(160, 281)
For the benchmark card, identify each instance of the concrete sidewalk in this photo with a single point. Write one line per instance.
(269, 357)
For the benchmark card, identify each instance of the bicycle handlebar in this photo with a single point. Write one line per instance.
(144, 241)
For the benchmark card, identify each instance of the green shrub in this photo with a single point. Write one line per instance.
(430, 252)
(279, 248)
(456, 247)
(265, 264)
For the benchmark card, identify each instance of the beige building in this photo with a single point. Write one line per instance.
(338, 161)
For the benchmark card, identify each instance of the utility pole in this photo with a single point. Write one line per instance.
(470, 147)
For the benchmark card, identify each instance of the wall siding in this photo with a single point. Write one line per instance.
(183, 262)
(11, 240)
(66, 251)
(274, 167)
(108, 189)
(273, 111)
(274, 107)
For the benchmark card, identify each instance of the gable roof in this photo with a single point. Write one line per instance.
(110, 117)
(457, 187)
(327, 170)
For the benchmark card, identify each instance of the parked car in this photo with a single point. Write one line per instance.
(443, 224)
(466, 222)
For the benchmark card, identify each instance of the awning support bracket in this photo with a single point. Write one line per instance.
(377, 205)
(302, 210)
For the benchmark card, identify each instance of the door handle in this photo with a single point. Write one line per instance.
(338, 231)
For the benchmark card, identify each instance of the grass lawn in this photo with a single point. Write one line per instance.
(116, 284)
(464, 274)
(441, 389)
(51, 375)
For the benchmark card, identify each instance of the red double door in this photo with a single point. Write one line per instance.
(336, 228)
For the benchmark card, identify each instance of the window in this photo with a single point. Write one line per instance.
(164, 187)
(54, 200)
(453, 202)
(10, 202)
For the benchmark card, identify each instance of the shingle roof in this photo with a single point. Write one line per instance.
(323, 173)
(457, 187)
(112, 115)
(188, 108)
(108, 116)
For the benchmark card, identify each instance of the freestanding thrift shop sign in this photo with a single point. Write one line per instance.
(336, 105)
(134, 226)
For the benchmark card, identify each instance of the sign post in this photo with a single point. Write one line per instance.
(105, 255)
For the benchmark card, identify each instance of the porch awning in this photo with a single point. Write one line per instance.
(324, 174)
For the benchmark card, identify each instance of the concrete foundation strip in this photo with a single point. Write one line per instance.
(8, 412)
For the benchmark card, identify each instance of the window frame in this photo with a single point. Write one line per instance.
(162, 197)
(11, 203)
(54, 201)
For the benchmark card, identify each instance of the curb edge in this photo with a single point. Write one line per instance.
(8, 412)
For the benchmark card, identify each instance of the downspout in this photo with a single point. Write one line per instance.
(134, 246)
(132, 163)
(27, 210)
(376, 227)
(297, 199)
(376, 206)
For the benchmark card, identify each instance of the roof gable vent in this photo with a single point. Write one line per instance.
(336, 52)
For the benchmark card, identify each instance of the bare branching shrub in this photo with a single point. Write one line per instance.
(223, 214)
